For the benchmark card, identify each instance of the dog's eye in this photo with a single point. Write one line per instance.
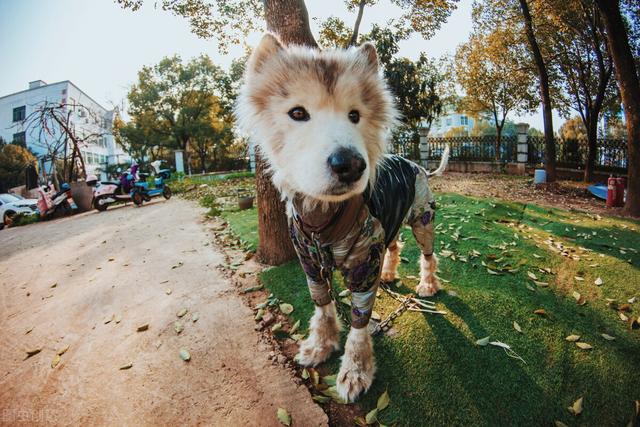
(354, 116)
(299, 114)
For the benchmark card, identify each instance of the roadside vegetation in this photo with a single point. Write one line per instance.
(560, 288)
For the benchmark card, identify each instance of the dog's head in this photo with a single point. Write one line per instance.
(320, 118)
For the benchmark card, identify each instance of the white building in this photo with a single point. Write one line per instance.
(449, 120)
(99, 151)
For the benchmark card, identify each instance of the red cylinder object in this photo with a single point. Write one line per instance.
(620, 184)
(612, 187)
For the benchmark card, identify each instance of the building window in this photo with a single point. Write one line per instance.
(448, 121)
(20, 139)
(464, 120)
(19, 114)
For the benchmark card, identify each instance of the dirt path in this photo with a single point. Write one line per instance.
(116, 267)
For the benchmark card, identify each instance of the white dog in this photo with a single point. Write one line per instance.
(320, 119)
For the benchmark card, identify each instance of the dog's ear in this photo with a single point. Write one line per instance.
(269, 46)
(369, 51)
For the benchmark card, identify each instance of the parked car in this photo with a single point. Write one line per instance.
(12, 204)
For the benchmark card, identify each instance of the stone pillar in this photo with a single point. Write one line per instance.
(423, 146)
(522, 148)
(179, 161)
(252, 156)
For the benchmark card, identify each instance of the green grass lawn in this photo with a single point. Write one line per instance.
(432, 368)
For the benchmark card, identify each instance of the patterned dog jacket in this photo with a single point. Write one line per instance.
(353, 235)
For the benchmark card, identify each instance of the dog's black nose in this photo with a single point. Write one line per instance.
(347, 164)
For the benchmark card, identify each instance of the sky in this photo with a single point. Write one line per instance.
(101, 47)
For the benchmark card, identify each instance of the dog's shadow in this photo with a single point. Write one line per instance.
(465, 378)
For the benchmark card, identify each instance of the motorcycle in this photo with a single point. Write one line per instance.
(110, 192)
(141, 191)
(54, 204)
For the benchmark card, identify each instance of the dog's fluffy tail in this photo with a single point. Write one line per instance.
(443, 162)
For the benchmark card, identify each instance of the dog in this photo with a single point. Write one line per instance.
(321, 120)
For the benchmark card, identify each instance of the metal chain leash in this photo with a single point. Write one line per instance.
(407, 303)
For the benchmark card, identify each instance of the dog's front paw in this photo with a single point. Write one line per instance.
(388, 276)
(428, 289)
(358, 366)
(313, 352)
(324, 336)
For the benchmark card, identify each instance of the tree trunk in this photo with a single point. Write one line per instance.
(273, 230)
(592, 147)
(629, 85)
(289, 20)
(498, 144)
(356, 27)
(549, 140)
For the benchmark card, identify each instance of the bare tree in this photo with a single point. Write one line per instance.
(51, 124)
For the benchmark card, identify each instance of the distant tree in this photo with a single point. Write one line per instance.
(581, 52)
(573, 129)
(14, 160)
(52, 125)
(172, 98)
(536, 133)
(456, 131)
(491, 68)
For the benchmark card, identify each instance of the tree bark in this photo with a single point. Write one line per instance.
(549, 140)
(356, 27)
(592, 147)
(273, 230)
(289, 20)
(629, 85)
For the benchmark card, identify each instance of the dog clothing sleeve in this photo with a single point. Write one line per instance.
(360, 266)
(312, 258)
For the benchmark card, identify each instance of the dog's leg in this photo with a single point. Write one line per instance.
(422, 227)
(429, 283)
(391, 261)
(324, 336)
(358, 365)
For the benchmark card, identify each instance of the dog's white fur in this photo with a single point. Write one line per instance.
(279, 79)
(328, 84)
(324, 337)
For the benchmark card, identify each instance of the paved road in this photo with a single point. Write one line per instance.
(89, 282)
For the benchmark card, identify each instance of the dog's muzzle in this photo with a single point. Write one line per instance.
(347, 165)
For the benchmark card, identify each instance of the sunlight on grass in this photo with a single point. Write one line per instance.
(434, 372)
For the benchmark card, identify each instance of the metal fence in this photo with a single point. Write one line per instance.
(611, 154)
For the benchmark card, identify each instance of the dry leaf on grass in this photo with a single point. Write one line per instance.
(517, 327)
(483, 341)
(576, 408)
(294, 328)
(584, 346)
(383, 401)
(286, 308)
(572, 338)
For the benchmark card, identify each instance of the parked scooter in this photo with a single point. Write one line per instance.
(143, 193)
(53, 204)
(110, 192)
